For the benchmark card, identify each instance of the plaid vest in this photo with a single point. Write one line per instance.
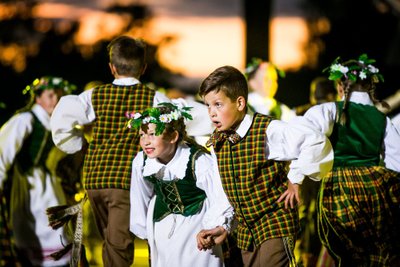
(253, 185)
(108, 162)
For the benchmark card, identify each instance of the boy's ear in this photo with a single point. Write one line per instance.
(113, 69)
(241, 103)
(143, 69)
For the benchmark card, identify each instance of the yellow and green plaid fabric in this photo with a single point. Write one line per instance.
(358, 211)
(108, 162)
(253, 185)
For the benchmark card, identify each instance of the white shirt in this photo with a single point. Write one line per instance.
(323, 118)
(264, 105)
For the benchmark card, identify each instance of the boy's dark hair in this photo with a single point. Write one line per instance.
(227, 79)
(127, 55)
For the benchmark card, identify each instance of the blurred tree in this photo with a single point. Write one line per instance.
(33, 46)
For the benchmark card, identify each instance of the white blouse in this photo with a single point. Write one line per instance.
(207, 177)
(323, 118)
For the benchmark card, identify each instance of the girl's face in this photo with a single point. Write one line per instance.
(265, 80)
(224, 113)
(162, 146)
(48, 100)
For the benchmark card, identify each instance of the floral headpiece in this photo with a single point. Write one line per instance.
(354, 70)
(255, 63)
(48, 83)
(158, 117)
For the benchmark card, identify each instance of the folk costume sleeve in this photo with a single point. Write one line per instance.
(12, 136)
(323, 118)
(141, 192)
(70, 114)
(309, 151)
(220, 212)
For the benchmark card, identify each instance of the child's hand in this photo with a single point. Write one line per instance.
(206, 239)
(291, 195)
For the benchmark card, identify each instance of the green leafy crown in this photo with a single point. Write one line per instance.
(49, 83)
(354, 70)
(161, 115)
(256, 62)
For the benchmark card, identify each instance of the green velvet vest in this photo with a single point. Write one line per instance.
(36, 147)
(359, 142)
(180, 196)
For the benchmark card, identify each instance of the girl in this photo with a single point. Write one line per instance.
(175, 190)
(359, 199)
(27, 182)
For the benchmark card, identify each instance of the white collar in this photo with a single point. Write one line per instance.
(42, 115)
(126, 81)
(174, 169)
(244, 125)
(360, 98)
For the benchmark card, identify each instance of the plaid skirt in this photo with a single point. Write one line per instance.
(358, 216)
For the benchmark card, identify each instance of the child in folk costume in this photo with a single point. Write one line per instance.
(359, 199)
(175, 190)
(27, 184)
(252, 154)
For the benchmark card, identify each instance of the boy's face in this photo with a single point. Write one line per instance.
(224, 113)
(160, 146)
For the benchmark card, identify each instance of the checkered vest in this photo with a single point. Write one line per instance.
(253, 185)
(108, 162)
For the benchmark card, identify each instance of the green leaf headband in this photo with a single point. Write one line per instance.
(158, 117)
(49, 83)
(256, 62)
(354, 70)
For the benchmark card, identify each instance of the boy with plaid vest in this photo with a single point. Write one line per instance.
(252, 153)
(108, 163)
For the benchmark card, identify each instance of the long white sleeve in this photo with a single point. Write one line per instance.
(220, 212)
(323, 118)
(140, 194)
(12, 136)
(70, 113)
(391, 147)
(309, 151)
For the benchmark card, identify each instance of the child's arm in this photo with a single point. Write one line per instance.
(67, 120)
(141, 192)
(391, 147)
(309, 150)
(219, 218)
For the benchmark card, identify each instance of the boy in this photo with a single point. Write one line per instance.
(107, 166)
(251, 152)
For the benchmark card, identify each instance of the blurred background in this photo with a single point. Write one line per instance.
(190, 38)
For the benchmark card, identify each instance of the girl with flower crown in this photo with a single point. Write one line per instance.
(358, 203)
(28, 185)
(175, 190)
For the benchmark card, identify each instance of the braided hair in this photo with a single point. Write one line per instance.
(356, 75)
